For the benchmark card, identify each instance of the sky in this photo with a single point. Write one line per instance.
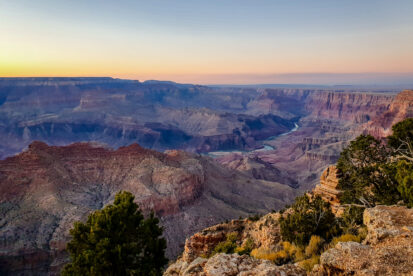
(210, 41)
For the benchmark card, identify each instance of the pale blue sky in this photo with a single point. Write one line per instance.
(205, 41)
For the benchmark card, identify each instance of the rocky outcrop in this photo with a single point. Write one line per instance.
(231, 265)
(46, 188)
(265, 233)
(400, 109)
(327, 189)
(387, 250)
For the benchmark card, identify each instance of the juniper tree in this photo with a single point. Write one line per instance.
(117, 240)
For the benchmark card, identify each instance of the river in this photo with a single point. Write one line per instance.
(265, 147)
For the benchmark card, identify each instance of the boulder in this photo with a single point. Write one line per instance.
(387, 250)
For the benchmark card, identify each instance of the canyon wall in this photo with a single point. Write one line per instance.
(400, 108)
(166, 115)
(45, 189)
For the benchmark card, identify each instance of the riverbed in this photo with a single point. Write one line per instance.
(266, 147)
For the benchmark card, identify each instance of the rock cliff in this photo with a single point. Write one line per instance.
(46, 188)
(400, 109)
(347, 106)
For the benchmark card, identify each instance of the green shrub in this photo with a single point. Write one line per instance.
(344, 238)
(308, 264)
(228, 246)
(246, 248)
(255, 217)
(352, 219)
(362, 233)
(308, 218)
(314, 247)
(404, 177)
(294, 252)
(278, 257)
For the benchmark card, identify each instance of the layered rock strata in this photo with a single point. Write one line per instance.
(327, 188)
(46, 188)
(400, 108)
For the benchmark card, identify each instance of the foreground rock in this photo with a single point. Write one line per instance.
(387, 250)
(231, 265)
(45, 189)
(265, 233)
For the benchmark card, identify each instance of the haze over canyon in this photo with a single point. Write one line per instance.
(196, 155)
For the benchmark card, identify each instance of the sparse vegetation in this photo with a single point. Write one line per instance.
(308, 217)
(255, 217)
(344, 238)
(228, 246)
(315, 246)
(246, 248)
(352, 219)
(308, 264)
(266, 254)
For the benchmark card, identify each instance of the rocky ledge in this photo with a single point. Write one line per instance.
(231, 265)
(387, 249)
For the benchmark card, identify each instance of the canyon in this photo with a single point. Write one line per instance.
(385, 250)
(45, 189)
(165, 115)
(102, 135)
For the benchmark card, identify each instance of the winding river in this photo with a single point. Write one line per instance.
(265, 147)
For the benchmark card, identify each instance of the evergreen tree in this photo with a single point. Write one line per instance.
(402, 139)
(366, 175)
(117, 240)
(308, 217)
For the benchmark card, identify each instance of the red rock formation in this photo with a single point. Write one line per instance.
(400, 109)
(354, 107)
(46, 188)
(327, 188)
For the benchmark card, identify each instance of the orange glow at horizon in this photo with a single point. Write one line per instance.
(146, 41)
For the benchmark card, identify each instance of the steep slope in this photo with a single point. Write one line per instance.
(46, 188)
(400, 109)
(386, 250)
